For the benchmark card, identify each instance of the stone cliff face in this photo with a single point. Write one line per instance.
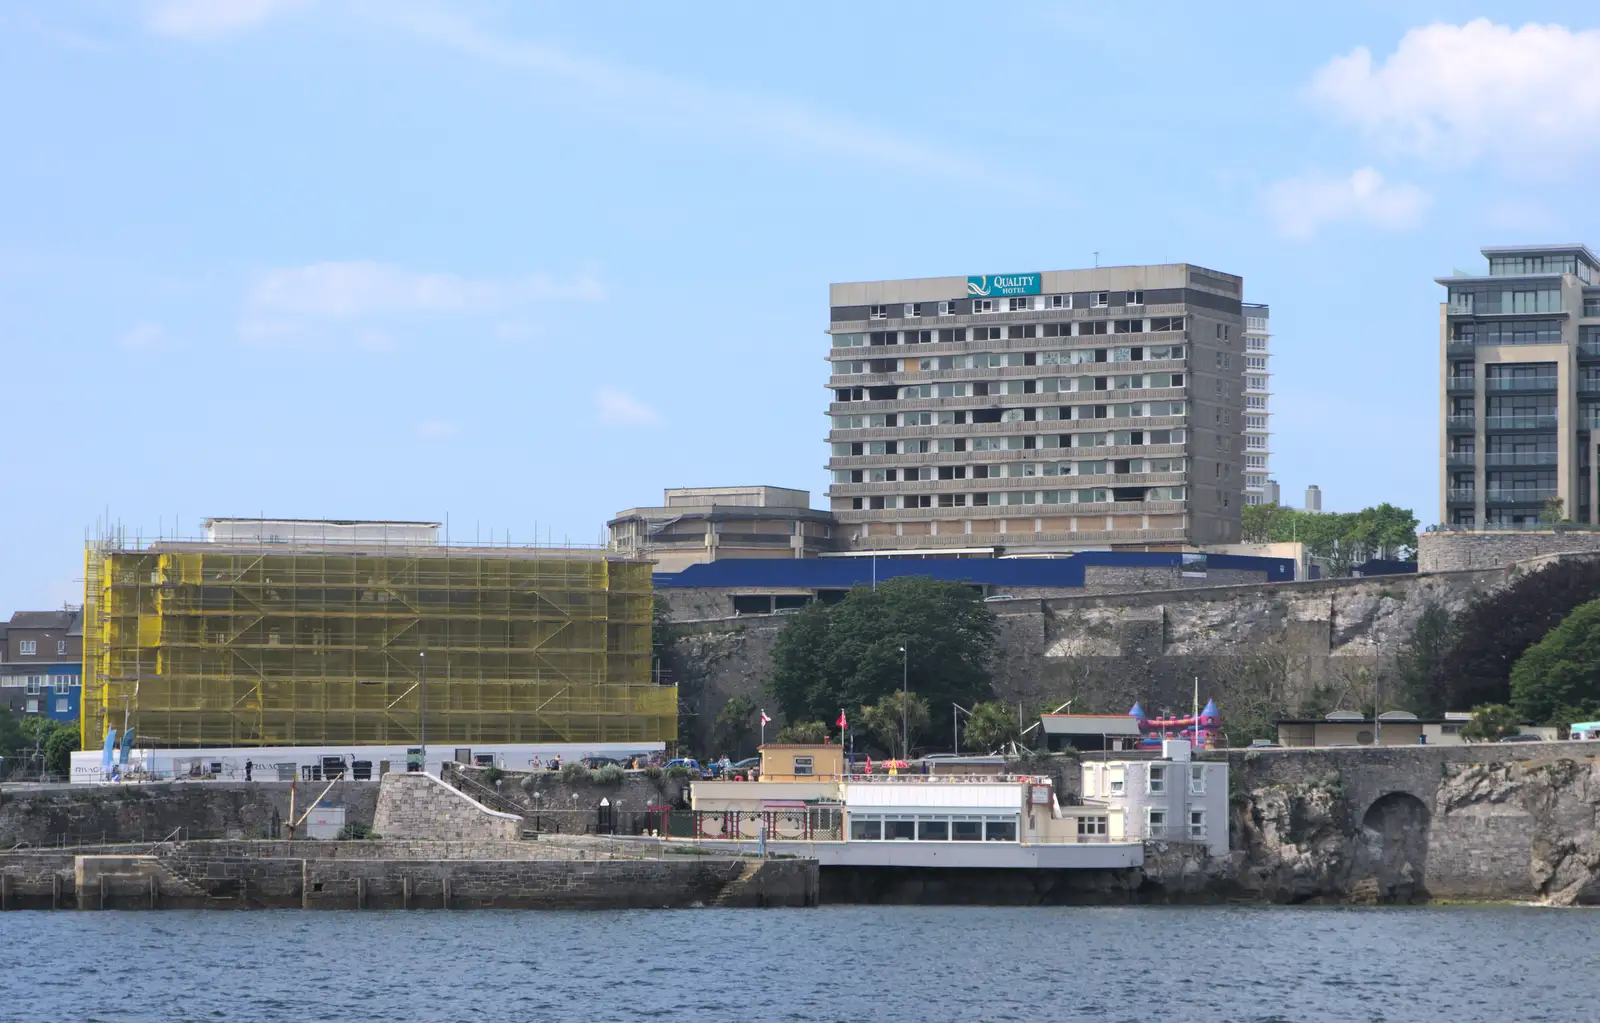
(1392, 830)
(1532, 823)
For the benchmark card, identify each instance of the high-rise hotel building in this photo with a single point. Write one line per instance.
(1520, 380)
(1045, 411)
(1257, 391)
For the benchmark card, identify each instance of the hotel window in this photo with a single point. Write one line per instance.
(913, 309)
(1197, 779)
(1065, 302)
(878, 312)
(1157, 780)
(1100, 299)
(983, 305)
(27, 647)
(803, 767)
(1135, 298)
(947, 308)
(1155, 823)
(1017, 305)
(1197, 824)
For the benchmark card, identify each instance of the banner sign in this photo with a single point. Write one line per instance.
(1004, 285)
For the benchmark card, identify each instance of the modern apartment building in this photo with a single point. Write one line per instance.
(1257, 389)
(1043, 411)
(1520, 383)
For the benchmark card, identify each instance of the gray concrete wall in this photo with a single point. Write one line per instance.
(1451, 552)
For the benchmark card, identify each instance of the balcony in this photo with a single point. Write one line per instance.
(1534, 422)
(1590, 350)
(1520, 495)
(1454, 347)
(1538, 383)
(1462, 383)
(1462, 422)
(1467, 496)
(1502, 458)
(1587, 385)
(1461, 460)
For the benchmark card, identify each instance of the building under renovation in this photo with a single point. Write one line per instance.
(302, 633)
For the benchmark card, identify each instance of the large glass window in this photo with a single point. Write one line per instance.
(966, 829)
(1509, 332)
(865, 829)
(929, 830)
(900, 830)
(1000, 829)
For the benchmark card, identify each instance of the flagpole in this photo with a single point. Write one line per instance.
(1196, 724)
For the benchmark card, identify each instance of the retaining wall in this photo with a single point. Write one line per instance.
(1449, 552)
(420, 806)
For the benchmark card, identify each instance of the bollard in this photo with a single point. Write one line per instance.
(55, 891)
(361, 893)
(155, 891)
(102, 891)
(446, 893)
(5, 892)
(405, 892)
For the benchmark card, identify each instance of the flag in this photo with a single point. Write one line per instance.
(842, 722)
(764, 719)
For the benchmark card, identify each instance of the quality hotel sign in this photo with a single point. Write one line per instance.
(1003, 285)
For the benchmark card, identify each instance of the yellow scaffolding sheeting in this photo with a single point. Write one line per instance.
(202, 645)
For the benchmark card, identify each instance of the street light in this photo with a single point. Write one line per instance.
(423, 716)
(905, 703)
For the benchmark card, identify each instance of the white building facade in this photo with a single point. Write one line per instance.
(1257, 413)
(1174, 799)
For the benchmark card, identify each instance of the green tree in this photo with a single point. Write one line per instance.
(12, 740)
(1561, 672)
(808, 733)
(991, 725)
(732, 731)
(1260, 521)
(1338, 540)
(1490, 722)
(849, 654)
(1421, 659)
(883, 721)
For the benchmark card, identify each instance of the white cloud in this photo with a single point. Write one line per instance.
(618, 408)
(1525, 98)
(683, 106)
(345, 290)
(198, 20)
(437, 429)
(144, 337)
(1301, 206)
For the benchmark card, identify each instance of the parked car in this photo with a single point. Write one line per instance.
(1522, 737)
(746, 765)
(1264, 744)
(595, 763)
(688, 764)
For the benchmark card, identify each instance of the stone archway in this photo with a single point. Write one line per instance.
(1395, 834)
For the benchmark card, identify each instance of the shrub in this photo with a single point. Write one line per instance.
(1490, 722)
(677, 771)
(529, 783)
(354, 831)
(575, 772)
(492, 775)
(654, 772)
(610, 774)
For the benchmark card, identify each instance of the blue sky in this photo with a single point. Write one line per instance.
(525, 265)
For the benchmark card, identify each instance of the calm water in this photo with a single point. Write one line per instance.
(837, 963)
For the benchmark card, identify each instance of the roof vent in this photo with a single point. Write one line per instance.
(1345, 715)
(1397, 715)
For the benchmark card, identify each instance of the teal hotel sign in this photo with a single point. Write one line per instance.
(1003, 285)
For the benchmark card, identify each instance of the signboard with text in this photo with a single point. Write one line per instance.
(1003, 285)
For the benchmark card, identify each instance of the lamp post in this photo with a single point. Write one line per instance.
(422, 718)
(905, 703)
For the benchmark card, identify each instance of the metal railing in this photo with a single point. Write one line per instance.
(1462, 383)
(1520, 495)
(808, 824)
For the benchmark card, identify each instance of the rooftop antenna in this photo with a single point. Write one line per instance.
(1097, 259)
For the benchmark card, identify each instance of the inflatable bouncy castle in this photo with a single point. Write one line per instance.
(1198, 730)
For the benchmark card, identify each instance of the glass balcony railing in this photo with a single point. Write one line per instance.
(1535, 422)
(1458, 347)
(1538, 383)
(1461, 460)
(1464, 496)
(1464, 422)
(1520, 495)
(1589, 350)
(1588, 385)
(1462, 383)
(1499, 458)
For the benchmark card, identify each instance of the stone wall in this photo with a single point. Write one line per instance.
(213, 881)
(420, 806)
(1450, 552)
(46, 815)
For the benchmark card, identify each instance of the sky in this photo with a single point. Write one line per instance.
(520, 266)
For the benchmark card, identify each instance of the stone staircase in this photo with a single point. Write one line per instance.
(735, 890)
(452, 776)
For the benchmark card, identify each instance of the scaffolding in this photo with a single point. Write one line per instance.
(204, 644)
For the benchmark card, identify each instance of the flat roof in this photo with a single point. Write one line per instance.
(325, 522)
(1089, 724)
(1514, 250)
